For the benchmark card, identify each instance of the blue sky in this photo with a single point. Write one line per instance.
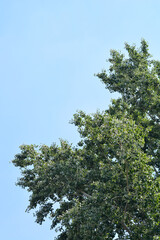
(49, 52)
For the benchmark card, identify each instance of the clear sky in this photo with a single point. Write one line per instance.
(49, 52)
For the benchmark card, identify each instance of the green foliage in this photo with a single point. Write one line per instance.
(108, 185)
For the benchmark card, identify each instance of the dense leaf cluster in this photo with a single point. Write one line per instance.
(108, 186)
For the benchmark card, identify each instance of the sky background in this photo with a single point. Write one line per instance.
(49, 53)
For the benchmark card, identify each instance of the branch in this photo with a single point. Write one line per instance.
(123, 224)
(86, 195)
(126, 228)
(156, 170)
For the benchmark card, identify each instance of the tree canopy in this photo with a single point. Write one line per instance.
(108, 185)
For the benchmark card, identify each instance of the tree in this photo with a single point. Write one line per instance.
(108, 186)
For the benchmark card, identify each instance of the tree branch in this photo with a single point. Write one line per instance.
(126, 228)
(86, 195)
